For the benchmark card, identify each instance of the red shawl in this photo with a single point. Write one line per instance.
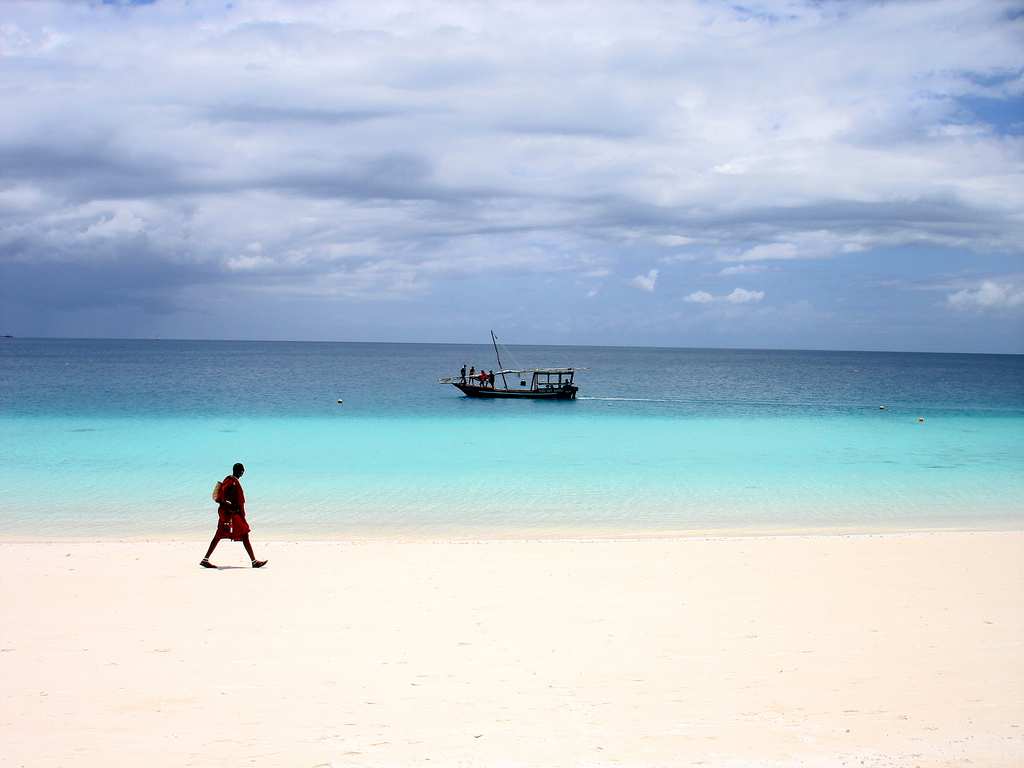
(231, 490)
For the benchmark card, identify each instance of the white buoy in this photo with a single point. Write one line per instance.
(920, 419)
(340, 401)
(881, 407)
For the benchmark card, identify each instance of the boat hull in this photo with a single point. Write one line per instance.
(470, 390)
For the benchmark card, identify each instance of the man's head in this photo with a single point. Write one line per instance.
(238, 470)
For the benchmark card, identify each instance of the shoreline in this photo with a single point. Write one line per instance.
(450, 534)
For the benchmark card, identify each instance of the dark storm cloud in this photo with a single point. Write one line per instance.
(91, 171)
(102, 172)
(132, 279)
(394, 176)
(940, 218)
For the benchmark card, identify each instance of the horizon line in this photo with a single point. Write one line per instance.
(508, 344)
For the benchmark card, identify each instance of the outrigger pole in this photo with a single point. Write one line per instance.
(501, 367)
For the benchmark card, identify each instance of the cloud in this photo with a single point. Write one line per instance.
(989, 295)
(260, 114)
(674, 241)
(249, 262)
(681, 258)
(699, 297)
(770, 251)
(383, 149)
(742, 269)
(743, 296)
(815, 234)
(645, 282)
(737, 296)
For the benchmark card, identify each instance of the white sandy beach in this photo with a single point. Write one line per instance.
(873, 650)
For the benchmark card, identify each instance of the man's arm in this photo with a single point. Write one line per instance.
(227, 492)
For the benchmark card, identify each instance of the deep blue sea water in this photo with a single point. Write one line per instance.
(126, 438)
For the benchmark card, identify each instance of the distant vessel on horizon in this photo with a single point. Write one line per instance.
(534, 383)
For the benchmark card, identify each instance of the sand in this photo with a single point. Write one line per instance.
(817, 650)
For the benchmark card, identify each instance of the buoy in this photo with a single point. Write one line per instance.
(920, 419)
(881, 407)
(340, 401)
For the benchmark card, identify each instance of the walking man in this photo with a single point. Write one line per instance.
(231, 522)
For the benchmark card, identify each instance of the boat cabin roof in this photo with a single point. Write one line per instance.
(538, 370)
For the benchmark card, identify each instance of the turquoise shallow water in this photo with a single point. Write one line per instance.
(116, 438)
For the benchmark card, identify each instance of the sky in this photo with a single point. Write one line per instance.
(696, 174)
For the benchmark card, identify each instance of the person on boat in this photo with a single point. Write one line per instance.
(483, 378)
(472, 372)
(462, 374)
(231, 523)
(490, 379)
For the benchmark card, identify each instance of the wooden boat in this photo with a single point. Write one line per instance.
(533, 383)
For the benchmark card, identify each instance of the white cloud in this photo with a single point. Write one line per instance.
(645, 282)
(736, 167)
(680, 258)
(743, 296)
(116, 223)
(674, 241)
(248, 263)
(738, 296)
(21, 198)
(768, 251)
(989, 295)
(699, 297)
(742, 269)
(824, 244)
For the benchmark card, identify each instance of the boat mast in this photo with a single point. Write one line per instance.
(501, 367)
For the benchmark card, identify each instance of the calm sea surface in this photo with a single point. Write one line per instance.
(126, 438)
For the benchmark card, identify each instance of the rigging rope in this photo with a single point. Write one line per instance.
(507, 355)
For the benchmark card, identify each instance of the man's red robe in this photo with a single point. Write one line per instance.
(231, 517)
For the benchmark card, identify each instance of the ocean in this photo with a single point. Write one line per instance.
(125, 439)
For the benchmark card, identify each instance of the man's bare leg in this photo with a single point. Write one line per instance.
(205, 562)
(248, 548)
